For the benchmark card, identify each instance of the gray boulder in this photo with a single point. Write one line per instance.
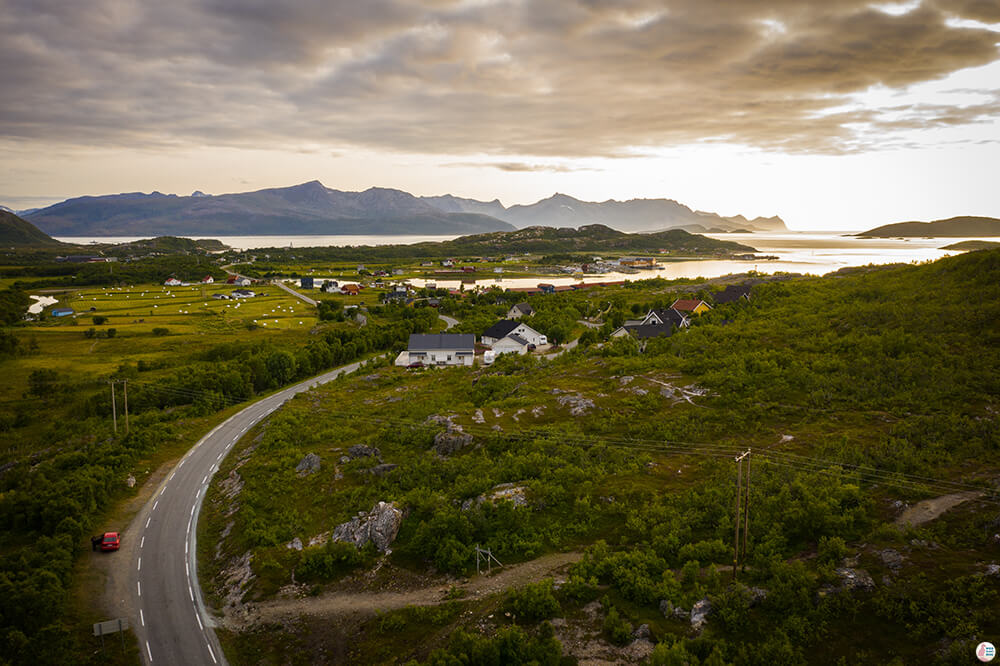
(642, 633)
(379, 526)
(308, 465)
(450, 441)
(891, 558)
(362, 451)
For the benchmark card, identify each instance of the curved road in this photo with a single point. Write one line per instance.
(171, 622)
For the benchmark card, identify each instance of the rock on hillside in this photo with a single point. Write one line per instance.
(379, 526)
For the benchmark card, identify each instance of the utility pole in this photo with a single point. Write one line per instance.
(125, 389)
(746, 508)
(114, 411)
(736, 520)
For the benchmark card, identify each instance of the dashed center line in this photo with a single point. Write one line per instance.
(142, 541)
(147, 521)
(138, 567)
(138, 588)
(154, 504)
(148, 651)
(142, 618)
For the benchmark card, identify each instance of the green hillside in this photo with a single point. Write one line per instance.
(16, 232)
(853, 405)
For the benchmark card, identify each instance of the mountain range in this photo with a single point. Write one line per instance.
(312, 208)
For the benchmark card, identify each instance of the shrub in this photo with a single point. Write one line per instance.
(534, 601)
(160, 331)
(98, 320)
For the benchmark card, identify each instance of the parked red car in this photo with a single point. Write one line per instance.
(111, 541)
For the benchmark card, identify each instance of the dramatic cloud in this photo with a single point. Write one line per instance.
(560, 78)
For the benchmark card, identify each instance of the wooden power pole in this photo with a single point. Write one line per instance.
(114, 411)
(746, 517)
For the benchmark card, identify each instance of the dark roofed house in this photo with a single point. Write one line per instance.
(667, 316)
(645, 331)
(506, 327)
(733, 293)
(441, 348)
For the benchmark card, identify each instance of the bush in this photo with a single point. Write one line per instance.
(617, 628)
(160, 331)
(112, 332)
(334, 559)
(534, 601)
(98, 320)
(89, 333)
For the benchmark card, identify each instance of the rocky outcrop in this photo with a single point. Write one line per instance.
(379, 526)
(578, 405)
(308, 465)
(855, 579)
(699, 614)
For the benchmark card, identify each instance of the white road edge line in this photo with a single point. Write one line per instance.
(190, 592)
(197, 616)
(212, 654)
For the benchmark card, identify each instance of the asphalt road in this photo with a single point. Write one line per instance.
(171, 622)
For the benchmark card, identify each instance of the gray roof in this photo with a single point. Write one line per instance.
(525, 308)
(668, 315)
(442, 341)
(650, 330)
(518, 339)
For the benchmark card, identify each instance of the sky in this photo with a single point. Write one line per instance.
(833, 114)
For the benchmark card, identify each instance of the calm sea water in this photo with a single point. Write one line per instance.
(814, 253)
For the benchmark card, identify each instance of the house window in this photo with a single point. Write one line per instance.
(449, 357)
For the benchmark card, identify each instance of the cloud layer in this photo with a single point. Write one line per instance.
(554, 78)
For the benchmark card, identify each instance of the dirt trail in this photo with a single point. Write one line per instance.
(367, 603)
(927, 510)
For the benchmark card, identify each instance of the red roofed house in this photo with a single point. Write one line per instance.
(694, 306)
(208, 279)
(350, 289)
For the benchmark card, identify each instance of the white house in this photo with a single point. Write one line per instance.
(511, 344)
(502, 329)
(441, 349)
(208, 279)
(172, 282)
(520, 310)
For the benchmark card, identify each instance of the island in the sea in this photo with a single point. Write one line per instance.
(954, 227)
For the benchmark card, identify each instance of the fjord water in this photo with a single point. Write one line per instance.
(812, 252)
